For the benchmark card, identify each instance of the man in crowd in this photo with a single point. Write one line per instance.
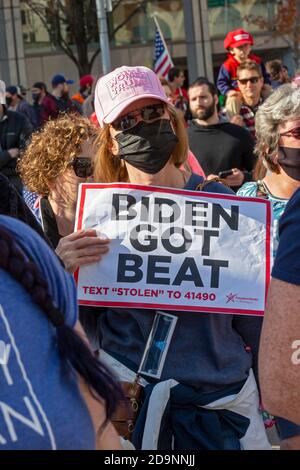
(250, 82)
(219, 146)
(39, 92)
(15, 129)
(58, 101)
(86, 85)
(276, 72)
(16, 102)
(179, 96)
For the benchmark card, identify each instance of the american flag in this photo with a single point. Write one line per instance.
(162, 58)
(30, 198)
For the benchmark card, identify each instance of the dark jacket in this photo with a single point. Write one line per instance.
(27, 110)
(13, 205)
(15, 130)
(51, 107)
(222, 146)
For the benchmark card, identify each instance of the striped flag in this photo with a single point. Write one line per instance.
(30, 198)
(162, 59)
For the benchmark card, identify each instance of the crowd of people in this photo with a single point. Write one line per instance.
(67, 370)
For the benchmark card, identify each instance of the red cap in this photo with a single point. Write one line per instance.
(238, 38)
(86, 80)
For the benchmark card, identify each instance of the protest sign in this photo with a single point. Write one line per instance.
(175, 249)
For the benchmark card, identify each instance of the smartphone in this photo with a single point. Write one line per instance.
(224, 174)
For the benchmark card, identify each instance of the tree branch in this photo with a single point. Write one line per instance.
(92, 60)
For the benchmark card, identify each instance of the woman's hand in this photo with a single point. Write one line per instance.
(80, 248)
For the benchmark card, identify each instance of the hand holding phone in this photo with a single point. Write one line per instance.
(224, 174)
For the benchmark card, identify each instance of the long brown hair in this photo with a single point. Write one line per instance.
(110, 168)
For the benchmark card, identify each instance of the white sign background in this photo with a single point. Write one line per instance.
(242, 285)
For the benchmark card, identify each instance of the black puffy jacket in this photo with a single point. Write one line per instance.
(13, 205)
(15, 130)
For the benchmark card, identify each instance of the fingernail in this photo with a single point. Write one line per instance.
(101, 235)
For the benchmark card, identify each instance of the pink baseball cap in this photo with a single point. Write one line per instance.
(121, 87)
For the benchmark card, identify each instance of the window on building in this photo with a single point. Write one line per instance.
(131, 21)
(35, 34)
(226, 15)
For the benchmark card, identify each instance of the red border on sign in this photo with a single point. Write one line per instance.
(82, 194)
(186, 308)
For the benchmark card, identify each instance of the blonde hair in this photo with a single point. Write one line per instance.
(52, 149)
(110, 168)
(249, 65)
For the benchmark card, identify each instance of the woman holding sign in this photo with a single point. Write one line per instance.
(190, 362)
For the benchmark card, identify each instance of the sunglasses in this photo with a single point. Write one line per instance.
(244, 81)
(292, 133)
(148, 114)
(82, 166)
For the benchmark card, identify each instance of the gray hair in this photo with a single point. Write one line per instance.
(282, 105)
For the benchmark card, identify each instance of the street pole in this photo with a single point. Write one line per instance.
(103, 36)
(198, 46)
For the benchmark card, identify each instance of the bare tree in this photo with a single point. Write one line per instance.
(72, 27)
(286, 24)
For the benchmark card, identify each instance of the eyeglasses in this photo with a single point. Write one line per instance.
(148, 113)
(82, 166)
(292, 133)
(244, 81)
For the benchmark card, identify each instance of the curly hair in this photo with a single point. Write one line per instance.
(281, 106)
(52, 149)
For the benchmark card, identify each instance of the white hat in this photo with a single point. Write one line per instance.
(2, 92)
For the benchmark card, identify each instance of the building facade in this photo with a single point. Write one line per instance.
(194, 31)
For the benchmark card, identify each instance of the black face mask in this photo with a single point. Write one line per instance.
(8, 100)
(36, 97)
(147, 146)
(289, 160)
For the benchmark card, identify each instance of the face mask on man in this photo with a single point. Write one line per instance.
(289, 160)
(147, 146)
(8, 100)
(36, 96)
